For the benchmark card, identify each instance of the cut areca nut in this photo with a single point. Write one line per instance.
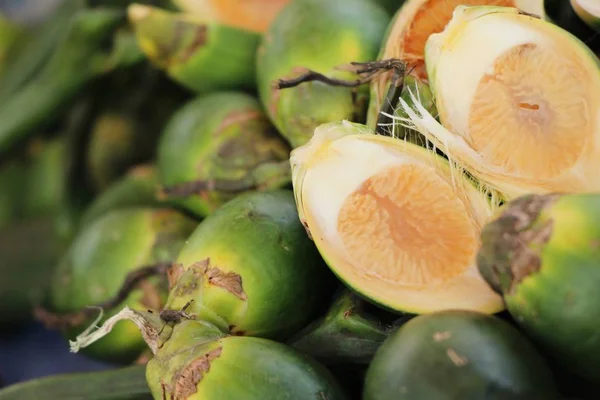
(519, 111)
(394, 221)
(405, 39)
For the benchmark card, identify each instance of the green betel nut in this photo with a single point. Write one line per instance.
(251, 269)
(99, 260)
(218, 146)
(320, 36)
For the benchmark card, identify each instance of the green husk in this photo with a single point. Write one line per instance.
(458, 354)
(347, 334)
(271, 285)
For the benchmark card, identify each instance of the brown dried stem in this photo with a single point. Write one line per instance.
(369, 70)
(134, 278)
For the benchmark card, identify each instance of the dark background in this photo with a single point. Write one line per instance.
(32, 351)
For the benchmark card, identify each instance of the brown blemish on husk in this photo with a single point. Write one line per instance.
(165, 388)
(236, 332)
(186, 380)
(511, 242)
(349, 312)
(457, 359)
(188, 286)
(199, 40)
(441, 336)
(323, 396)
(173, 274)
(227, 280)
(166, 48)
(238, 117)
(527, 261)
(307, 229)
(142, 171)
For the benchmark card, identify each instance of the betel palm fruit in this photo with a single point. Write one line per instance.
(100, 258)
(458, 354)
(199, 372)
(218, 146)
(199, 53)
(320, 36)
(394, 221)
(250, 269)
(542, 254)
(405, 39)
(517, 111)
(194, 360)
(252, 15)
